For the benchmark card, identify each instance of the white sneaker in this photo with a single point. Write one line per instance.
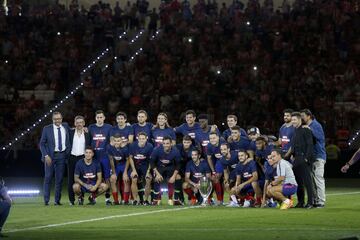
(233, 204)
(246, 204)
(171, 202)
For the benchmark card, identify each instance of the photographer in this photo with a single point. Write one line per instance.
(5, 204)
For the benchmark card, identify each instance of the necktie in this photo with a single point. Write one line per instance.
(59, 139)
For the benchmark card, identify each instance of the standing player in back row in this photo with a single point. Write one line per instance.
(122, 128)
(232, 122)
(191, 127)
(100, 138)
(162, 129)
(142, 125)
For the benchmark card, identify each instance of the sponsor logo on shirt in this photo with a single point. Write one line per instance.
(165, 161)
(205, 143)
(192, 135)
(140, 157)
(247, 175)
(198, 175)
(89, 176)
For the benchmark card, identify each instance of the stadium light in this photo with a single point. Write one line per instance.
(61, 102)
(23, 192)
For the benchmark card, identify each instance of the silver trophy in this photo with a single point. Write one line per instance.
(205, 189)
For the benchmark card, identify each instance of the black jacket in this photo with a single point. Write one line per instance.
(302, 145)
(87, 138)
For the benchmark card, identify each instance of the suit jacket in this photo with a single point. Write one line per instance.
(47, 141)
(302, 145)
(87, 138)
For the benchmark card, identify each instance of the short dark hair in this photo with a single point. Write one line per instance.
(196, 149)
(277, 150)
(121, 114)
(117, 135)
(232, 116)
(296, 114)
(167, 138)
(192, 112)
(307, 112)
(56, 113)
(89, 148)
(236, 128)
(187, 138)
(226, 144)
(142, 133)
(203, 116)
(142, 111)
(213, 133)
(244, 151)
(261, 138)
(288, 110)
(99, 112)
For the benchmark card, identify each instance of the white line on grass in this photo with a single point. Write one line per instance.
(170, 210)
(339, 194)
(96, 219)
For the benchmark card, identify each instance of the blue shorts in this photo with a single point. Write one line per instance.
(141, 171)
(85, 190)
(289, 189)
(120, 168)
(219, 167)
(105, 167)
(232, 176)
(247, 189)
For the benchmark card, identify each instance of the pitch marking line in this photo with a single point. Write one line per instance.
(161, 211)
(97, 219)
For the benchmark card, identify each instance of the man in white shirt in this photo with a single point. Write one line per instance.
(79, 139)
(284, 184)
(54, 147)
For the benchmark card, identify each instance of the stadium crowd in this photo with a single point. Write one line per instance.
(217, 59)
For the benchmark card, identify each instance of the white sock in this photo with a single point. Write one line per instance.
(287, 201)
(233, 198)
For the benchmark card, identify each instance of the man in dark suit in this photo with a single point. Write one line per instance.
(302, 149)
(55, 147)
(79, 139)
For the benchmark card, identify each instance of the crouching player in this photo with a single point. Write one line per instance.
(88, 178)
(119, 165)
(227, 164)
(139, 159)
(247, 182)
(284, 184)
(195, 169)
(165, 161)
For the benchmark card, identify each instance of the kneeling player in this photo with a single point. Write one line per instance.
(246, 181)
(119, 164)
(284, 184)
(88, 178)
(228, 164)
(165, 161)
(195, 169)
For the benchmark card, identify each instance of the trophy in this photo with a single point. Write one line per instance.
(205, 189)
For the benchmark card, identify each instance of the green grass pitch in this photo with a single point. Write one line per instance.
(29, 219)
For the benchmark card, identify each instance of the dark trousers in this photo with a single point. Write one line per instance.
(58, 167)
(71, 170)
(303, 178)
(4, 212)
